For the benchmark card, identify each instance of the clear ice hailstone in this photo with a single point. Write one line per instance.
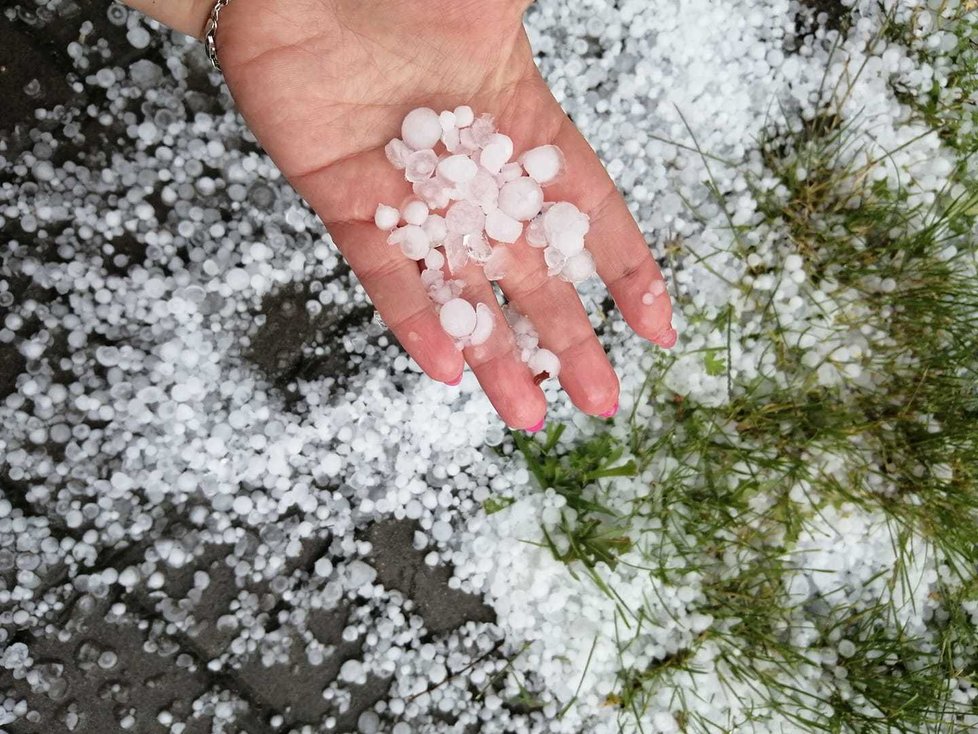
(502, 227)
(456, 253)
(413, 241)
(420, 165)
(397, 153)
(578, 268)
(648, 299)
(434, 226)
(415, 212)
(458, 318)
(457, 169)
(421, 128)
(544, 164)
(495, 267)
(478, 247)
(521, 199)
(555, 260)
(657, 288)
(535, 234)
(484, 324)
(464, 217)
(464, 116)
(496, 153)
(386, 217)
(543, 360)
(368, 723)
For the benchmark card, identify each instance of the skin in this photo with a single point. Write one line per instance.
(324, 85)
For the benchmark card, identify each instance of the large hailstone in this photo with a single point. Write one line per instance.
(469, 326)
(421, 129)
(544, 164)
(522, 199)
(458, 318)
(502, 227)
(457, 169)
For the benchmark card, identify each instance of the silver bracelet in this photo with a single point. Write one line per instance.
(210, 33)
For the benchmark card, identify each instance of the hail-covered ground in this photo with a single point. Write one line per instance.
(147, 430)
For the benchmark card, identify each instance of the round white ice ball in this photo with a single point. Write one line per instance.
(544, 164)
(386, 217)
(458, 318)
(521, 199)
(421, 128)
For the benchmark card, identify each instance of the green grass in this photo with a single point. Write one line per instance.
(949, 107)
(748, 477)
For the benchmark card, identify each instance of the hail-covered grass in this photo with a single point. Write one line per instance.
(820, 512)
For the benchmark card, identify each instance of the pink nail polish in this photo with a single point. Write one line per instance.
(456, 381)
(610, 413)
(537, 427)
(667, 339)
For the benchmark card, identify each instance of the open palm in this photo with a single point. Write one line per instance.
(324, 85)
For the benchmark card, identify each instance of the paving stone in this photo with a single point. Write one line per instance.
(399, 566)
(280, 345)
(31, 77)
(101, 668)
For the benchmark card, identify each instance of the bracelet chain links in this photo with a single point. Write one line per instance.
(210, 33)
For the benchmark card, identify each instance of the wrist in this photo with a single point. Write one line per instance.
(185, 16)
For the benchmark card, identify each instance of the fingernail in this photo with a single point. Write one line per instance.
(667, 339)
(537, 427)
(456, 381)
(610, 413)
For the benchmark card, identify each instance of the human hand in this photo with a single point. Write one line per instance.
(324, 85)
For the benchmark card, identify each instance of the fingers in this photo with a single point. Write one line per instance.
(392, 283)
(556, 311)
(496, 364)
(621, 254)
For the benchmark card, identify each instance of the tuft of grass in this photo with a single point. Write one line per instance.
(590, 534)
(948, 105)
